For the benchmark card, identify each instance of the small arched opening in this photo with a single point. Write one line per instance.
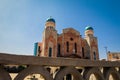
(94, 55)
(34, 73)
(68, 73)
(83, 53)
(111, 74)
(59, 50)
(67, 46)
(93, 74)
(50, 52)
(75, 45)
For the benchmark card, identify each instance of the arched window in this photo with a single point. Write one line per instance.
(94, 54)
(75, 47)
(50, 51)
(83, 52)
(67, 45)
(58, 55)
(39, 50)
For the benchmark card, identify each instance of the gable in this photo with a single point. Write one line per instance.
(71, 30)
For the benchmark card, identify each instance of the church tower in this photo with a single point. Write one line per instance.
(49, 46)
(92, 42)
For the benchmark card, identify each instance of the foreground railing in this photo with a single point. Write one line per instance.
(58, 68)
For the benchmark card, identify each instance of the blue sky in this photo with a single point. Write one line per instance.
(22, 22)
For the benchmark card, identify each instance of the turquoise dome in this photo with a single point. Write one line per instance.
(50, 20)
(89, 28)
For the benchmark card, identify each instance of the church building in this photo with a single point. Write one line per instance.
(68, 44)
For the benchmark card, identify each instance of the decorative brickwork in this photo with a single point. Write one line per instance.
(68, 44)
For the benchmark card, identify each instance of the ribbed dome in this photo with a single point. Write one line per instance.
(50, 20)
(89, 28)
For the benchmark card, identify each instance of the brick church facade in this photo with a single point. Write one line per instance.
(67, 44)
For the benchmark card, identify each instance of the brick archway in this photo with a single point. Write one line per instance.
(34, 70)
(4, 75)
(115, 74)
(95, 71)
(68, 70)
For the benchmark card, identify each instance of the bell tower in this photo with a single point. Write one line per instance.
(49, 39)
(92, 42)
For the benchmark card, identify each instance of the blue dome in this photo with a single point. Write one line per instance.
(50, 20)
(89, 28)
